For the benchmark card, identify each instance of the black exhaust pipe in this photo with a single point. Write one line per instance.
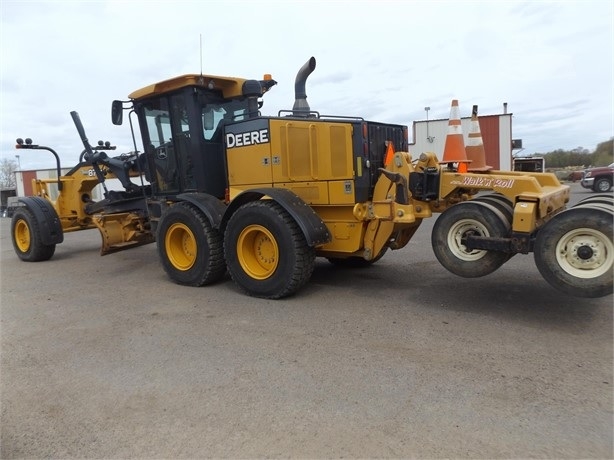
(301, 107)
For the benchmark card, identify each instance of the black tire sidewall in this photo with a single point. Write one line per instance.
(200, 273)
(269, 215)
(37, 251)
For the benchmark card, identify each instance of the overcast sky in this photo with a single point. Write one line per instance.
(552, 62)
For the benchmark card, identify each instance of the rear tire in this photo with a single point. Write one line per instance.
(460, 220)
(266, 251)
(190, 249)
(574, 252)
(27, 239)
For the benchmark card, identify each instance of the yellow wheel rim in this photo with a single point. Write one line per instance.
(180, 245)
(257, 252)
(22, 235)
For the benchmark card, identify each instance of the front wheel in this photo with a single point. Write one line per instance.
(602, 184)
(190, 249)
(266, 251)
(464, 219)
(574, 251)
(27, 238)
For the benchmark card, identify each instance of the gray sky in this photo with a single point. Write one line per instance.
(552, 62)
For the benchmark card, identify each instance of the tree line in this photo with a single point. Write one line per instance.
(580, 157)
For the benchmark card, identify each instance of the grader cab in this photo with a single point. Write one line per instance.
(224, 188)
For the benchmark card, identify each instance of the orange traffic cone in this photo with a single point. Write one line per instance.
(454, 148)
(475, 146)
(389, 153)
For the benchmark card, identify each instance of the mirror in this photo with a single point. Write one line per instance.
(117, 112)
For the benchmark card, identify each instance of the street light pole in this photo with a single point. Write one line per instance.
(428, 136)
(18, 162)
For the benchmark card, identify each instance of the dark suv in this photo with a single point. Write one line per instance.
(599, 179)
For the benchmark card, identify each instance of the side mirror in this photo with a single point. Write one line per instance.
(117, 112)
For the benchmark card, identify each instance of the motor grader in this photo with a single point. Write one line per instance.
(221, 188)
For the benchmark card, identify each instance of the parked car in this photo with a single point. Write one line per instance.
(599, 179)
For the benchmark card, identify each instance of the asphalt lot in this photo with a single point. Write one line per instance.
(104, 357)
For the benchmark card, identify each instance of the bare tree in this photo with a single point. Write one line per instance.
(7, 173)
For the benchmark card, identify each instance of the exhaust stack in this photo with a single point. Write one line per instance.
(301, 107)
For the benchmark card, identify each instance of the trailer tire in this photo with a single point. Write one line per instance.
(27, 238)
(501, 202)
(190, 249)
(266, 252)
(456, 222)
(601, 199)
(574, 251)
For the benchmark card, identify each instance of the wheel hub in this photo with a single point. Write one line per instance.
(585, 252)
(22, 235)
(258, 252)
(457, 238)
(181, 246)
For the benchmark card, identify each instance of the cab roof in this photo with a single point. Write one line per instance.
(229, 86)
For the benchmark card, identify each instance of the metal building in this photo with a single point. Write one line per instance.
(496, 130)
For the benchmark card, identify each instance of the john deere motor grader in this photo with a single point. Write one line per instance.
(221, 188)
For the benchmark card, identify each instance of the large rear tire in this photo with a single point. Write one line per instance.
(457, 222)
(190, 249)
(574, 251)
(27, 239)
(266, 251)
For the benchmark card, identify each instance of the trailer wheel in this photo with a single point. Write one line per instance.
(190, 249)
(26, 236)
(574, 251)
(266, 251)
(460, 220)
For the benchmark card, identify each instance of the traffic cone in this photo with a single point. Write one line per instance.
(454, 148)
(475, 145)
(389, 153)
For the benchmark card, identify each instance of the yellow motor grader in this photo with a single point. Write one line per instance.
(219, 187)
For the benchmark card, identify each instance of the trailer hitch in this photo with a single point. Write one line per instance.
(401, 182)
